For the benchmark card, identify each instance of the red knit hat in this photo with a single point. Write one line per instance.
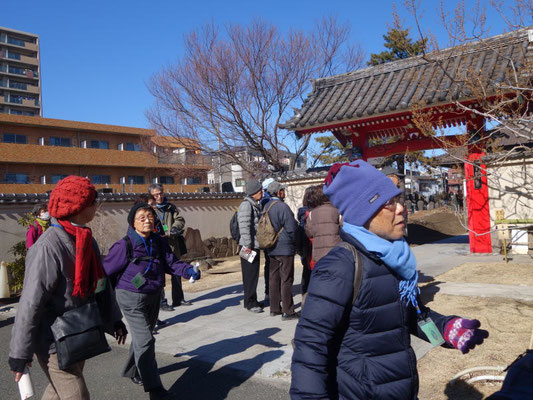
(70, 196)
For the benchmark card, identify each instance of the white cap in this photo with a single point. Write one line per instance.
(267, 182)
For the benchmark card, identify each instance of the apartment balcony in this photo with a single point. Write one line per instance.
(24, 60)
(30, 103)
(26, 45)
(31, 153)
(22, 88)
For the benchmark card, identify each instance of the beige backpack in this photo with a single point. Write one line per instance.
(266, 234)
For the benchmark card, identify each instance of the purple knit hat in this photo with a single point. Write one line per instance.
(358, 190)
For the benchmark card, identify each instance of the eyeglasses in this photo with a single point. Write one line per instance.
(145, 218)
(392, 203)
(157, 194)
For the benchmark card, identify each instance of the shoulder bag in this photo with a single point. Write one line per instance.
(79, 335)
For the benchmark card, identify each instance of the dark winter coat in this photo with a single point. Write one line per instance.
(281, 216)
(360, 352)
(322, 225)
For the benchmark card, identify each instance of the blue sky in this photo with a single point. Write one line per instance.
(97, 56)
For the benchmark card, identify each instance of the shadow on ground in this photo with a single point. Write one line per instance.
(203, 311)
(462, 390)
(216, 384)
(420, 234)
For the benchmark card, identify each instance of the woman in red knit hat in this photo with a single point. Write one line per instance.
(63, 271)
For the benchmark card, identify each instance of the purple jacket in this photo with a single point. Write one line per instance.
(116, 263)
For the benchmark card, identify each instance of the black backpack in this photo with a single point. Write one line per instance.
(234, 227)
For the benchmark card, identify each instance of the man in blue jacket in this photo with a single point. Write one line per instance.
(352, 341)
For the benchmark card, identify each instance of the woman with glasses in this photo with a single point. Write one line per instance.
(138, 263)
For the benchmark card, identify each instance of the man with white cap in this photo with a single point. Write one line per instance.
(264, 200)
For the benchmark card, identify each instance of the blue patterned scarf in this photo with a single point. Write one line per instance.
(396, 254)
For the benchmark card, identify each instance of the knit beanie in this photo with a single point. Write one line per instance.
(358, 190)
(70, 196)
(252, 187)
(136, 207)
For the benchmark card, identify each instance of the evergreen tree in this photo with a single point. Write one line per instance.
(399, 46)
(331, 151)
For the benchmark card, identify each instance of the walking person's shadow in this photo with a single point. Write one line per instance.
(217, 383)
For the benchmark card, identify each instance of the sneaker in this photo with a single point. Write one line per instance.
(166, 307)
(275, 313)
(183, 303)
(256, 309)
(160, 324)
(137, 380)
(286, 317)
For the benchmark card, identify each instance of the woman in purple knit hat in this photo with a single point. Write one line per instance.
(138, 263)
(353, 338)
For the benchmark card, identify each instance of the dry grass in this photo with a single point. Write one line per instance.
(500, 273)
(508, 321)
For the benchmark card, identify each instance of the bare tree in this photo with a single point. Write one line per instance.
(232, 87)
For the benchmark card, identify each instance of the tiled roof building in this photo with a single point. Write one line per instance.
(37, 152)
(399, 85)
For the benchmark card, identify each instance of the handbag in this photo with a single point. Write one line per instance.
(79, 335)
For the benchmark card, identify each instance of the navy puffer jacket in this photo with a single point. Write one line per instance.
(359, 352)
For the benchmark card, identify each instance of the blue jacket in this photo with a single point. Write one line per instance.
(281, 216)
(360, 352)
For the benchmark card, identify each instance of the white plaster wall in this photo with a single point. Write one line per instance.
(211, 217)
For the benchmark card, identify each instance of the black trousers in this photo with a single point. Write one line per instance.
(250, 277)
(267, 272)
(281, 279)
(177, 291)
(306, 275)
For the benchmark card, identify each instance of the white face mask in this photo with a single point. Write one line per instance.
(45, 215)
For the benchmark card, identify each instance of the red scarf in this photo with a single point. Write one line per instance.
(88, 265)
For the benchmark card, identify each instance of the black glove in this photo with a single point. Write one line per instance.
(120, 325)
(18, 364)
(174, 231)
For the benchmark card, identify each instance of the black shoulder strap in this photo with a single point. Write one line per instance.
(129, 252)
(358, 266)
(129, 248)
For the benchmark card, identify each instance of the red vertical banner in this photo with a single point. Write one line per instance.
(477, 200)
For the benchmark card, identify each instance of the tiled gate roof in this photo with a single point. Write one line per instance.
(397, 86)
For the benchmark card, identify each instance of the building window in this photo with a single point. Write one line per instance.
(195, 181)
(132, 147)
(99, 144)
(14, 138)
(100, 179)
(21, 112)
(15, 99)
(13, 56)
(239, 182)
(18, 85)
(16, 42)
(56, 178)
(16, 70)
(17, 178)
(59, 141)
(136, 179)
(166, 180)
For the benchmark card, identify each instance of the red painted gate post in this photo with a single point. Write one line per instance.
(477, 196)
